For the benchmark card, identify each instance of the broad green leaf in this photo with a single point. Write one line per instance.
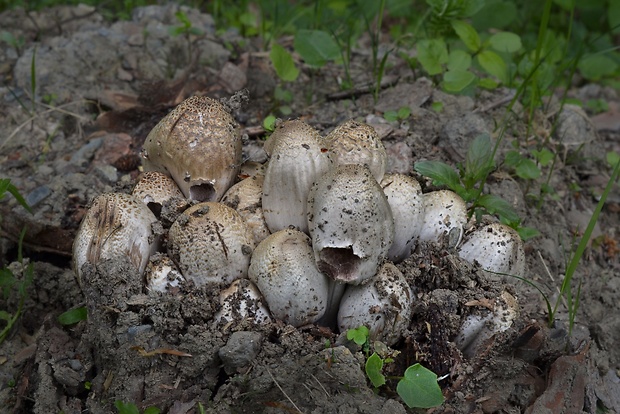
(544, 156)
(440, 173)
(505, 42)
(612, 158)
(495, 13)
(512, 158)
(269, 123)
(316, 47)
(613, 15)
(15, 192)
(358, 335)
(502, 208)
(151, 410)
(374, 365)
(479, 160)
(595, 67)
(404, 112)
(73, 316)
(390, 116)
(488, 83)
(126, 408)
(456, 80)
(494, 65)
(527, 169)
(527, 233)
(419, 388)
(459, 60)
(5, 316)
(283, 63)
(467, 34)
(432, 54)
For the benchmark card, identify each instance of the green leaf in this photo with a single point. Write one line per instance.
(374, 365)
(437, 106)
(544, 156)
(440, 173)
(419, 388)
(459, 60)
(15, 192)
(151, 410)
(283, 63)
(432, 54)
(513, 158)
(488, 83)
(479, 160)
(269, 123)
(404, 112)
(527, 233)
(126, 408)
(497, 205)
(73, 316)
(527, 169)
(467, 34)
(595, 67)
(505, 42)
(316, 47)
(358, 335)
(493, 64)
(5, 316)
(456, 80)
(613, 15)
(612, 158)
(495, 13)
(390, 116)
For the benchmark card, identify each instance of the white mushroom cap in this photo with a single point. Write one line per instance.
(154, 189)
(211, 243)
(199, 145)
(298, 159)
(242, 300)
(354, 142)
(285, 272)
(497, 248)
(383, 305)
(116, 224)
(445, 214)
(350, 223)
(161, 273)
(406, 200)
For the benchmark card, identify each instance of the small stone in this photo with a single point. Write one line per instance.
(240, 350)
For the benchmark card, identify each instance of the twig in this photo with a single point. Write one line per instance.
(497, 103)
(321, 385)
(283, 392)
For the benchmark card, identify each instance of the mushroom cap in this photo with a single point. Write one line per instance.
(496, 247)
(154, 188)
(285, 272)
(242, 300)
(298, 159)
(115, 224)
(406, 200)
(354, 142)
(199, 145)
(445, 214)
(384, 305)
(350, 223)
(211, 243)
(161, 273)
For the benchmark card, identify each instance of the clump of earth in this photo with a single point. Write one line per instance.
(101, 87)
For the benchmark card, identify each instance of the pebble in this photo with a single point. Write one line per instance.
(37, 195)
(240, 350)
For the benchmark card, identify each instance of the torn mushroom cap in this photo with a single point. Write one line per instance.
(406, 200)
(354, 142)
(154, 189)
(445, 214)
(161, 273)
(211, 243)
(116, 224)
(497, 248)
(298, 159)
(383, 305)
(242, 301)
(246, 198)
(284, 270)
(199, 145)
(350, 223)
(477, 329)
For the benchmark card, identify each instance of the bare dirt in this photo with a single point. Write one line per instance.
(100, 89)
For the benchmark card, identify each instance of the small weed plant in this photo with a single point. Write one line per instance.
(418, 387)
(131, 408)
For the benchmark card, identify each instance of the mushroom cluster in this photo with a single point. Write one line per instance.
(310, 237)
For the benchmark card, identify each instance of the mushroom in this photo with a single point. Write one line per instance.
(298, 159)
(497, 248)
(284, 270)
(445, 214)
(406, 200)
(116, 224)
(350, 223)
(199, 145)
(154, 189)
(384, 306)
(211, 243)
(354, 142)
(242, 300)
(161, 273)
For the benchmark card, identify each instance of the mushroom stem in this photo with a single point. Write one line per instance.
(335, 291)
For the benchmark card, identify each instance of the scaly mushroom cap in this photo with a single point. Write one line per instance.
(246, 198)
(406, 200)
(116, 224)
(354, 142)
(285, 272)
(242, 300)
(211, 243)
(383, 305)
(161, 273)
(445, 214)
(496, 247)
(350, 223)
(199, 145)
(298, 159)
(154, 189)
